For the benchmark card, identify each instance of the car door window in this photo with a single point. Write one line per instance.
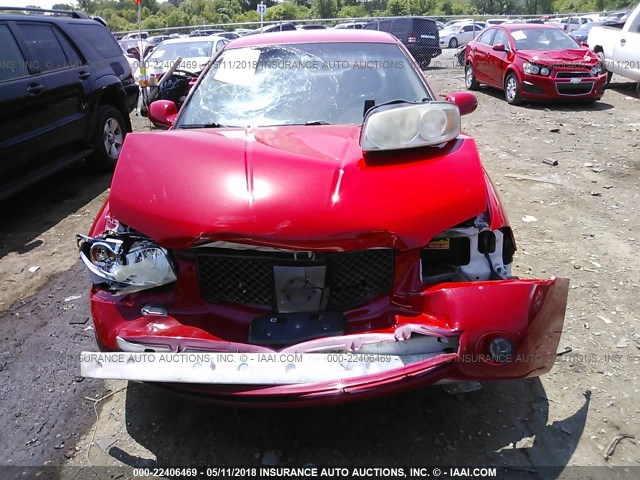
(501, 37)
(385, 26)
(487, 37)
(220, 44)
(45, 47)
(400, 27)
(12, 64)
(99, 38)
(73, 58)
(468, 28)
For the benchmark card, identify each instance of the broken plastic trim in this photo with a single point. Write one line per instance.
(410, 339)
(251, 369)
(470, 251)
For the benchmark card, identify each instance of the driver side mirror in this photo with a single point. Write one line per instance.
(500, 47)
(465, 101)
(163, 112)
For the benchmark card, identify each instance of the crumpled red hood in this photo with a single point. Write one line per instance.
(295, 187)
(581, 56)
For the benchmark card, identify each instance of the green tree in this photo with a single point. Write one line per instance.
(398, 8)
(324, 8)
(352, 11)
(286, 11)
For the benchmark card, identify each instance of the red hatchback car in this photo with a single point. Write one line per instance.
(313, 228)
(534, 62)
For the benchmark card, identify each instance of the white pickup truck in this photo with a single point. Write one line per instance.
(619, 49)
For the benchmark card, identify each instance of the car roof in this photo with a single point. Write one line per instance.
(203, 38)
(307, 36)
(47, 18)
(524, 26)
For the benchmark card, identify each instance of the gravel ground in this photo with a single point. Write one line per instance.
(578, 219)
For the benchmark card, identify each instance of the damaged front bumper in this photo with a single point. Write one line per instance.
(486, 330)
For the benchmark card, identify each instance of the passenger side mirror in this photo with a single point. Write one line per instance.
(163, 112)
(465, 101)
(499, 47)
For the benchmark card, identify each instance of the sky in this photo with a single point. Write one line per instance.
(37, 3)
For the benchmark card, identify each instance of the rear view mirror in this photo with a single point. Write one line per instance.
(465, 101)
(499, 47)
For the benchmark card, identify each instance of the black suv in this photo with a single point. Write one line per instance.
(66, 91)
(419, 35)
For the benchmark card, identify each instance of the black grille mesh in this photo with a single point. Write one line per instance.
(355, 276)
(352, 277)
(574, 88)
(573, 74)
(236, 280)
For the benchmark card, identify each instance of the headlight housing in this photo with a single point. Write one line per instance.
(125, 263)
(533, 69)
(596, 70)
(410, 126)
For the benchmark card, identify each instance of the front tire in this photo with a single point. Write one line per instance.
(609, 74)
(108, 138)
(470, 78)
(453, 43)
(425, 62)
(512, 90)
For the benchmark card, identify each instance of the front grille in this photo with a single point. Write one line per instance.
(237, 280)
(355, 276)
(573, 74)
(574, 88)
(247, 278)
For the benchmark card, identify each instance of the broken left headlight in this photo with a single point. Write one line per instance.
(125, 263)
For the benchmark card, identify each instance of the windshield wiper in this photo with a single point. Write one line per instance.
(317, 122)
(393, 102)
(203, 125)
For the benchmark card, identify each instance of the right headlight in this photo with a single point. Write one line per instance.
(412, 126)
(125, 263)
(533, 69)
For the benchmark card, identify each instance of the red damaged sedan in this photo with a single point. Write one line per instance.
(534, 62)
(313, 228)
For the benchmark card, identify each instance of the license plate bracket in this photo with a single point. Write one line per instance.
(292, 328)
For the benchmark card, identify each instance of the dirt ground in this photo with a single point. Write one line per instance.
(578, 219)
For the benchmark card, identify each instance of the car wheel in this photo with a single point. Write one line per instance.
(108, 138)
(470, 78)
(453, 43)
(512, 90)
(425, 62)
(609, 74)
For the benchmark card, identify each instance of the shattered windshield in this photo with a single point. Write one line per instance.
(320, 83)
